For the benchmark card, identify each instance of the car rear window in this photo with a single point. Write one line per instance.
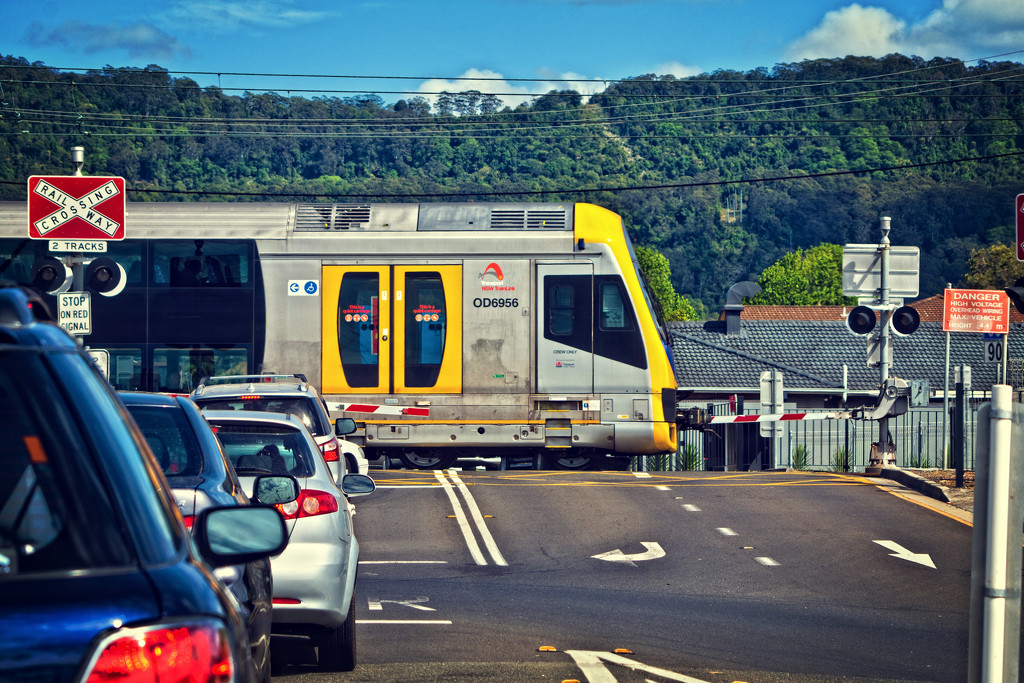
(171, 439)
(259, 449)
(55, 513)
(300, 406)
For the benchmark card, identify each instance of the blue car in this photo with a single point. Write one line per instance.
(99, 579)
(200, 476)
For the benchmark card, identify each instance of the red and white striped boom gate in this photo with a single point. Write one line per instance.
(779, 417)
(893, 400)
(376, 409)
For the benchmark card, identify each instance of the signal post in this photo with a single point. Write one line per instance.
(881, 276)
(76, 216)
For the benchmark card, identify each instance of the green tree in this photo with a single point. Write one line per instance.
(656, 272)
(811, 277)
(994, 267)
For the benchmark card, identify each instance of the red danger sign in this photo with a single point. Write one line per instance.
(76, 207)
(976, 310)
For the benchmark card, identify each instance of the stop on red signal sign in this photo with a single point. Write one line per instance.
(76, 207)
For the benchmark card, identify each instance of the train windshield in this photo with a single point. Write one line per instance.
(652, 304)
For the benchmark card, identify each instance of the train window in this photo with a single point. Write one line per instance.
(617, 335)
(201, 263)
(17, 257)
(125, 368)
(425, 328)
(357, 328)
(128, 255)
(568, 314)
(560, 312)
(613, 308)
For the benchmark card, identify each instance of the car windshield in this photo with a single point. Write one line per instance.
(298, 406)
(266, 449)
(170, 438)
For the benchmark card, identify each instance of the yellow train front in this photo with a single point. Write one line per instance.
(514, 331)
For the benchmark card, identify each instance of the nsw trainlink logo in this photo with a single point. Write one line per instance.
(495, 292)
(492, 272)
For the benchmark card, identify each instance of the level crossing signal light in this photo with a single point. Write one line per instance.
(861, 320)
(904, 320)
(1016, 294)
(49, 275)
(105, 276)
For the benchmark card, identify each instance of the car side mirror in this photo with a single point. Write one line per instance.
(344, 425)
(354, 485)
(275, 489)
(239, 534)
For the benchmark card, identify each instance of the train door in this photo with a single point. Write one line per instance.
(392, 329)
(565, 342)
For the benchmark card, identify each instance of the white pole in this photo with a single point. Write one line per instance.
(996, 550)
(945, 403)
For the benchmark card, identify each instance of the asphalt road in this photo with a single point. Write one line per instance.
(694, 576)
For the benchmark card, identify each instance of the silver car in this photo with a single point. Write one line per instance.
(314, 578)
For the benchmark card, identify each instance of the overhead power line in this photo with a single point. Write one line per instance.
(565, 191)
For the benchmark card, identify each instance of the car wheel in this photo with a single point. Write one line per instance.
(427, 459)
(337, 647)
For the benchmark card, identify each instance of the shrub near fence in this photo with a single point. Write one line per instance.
(825, 445)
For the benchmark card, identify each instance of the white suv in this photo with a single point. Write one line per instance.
(291, 394)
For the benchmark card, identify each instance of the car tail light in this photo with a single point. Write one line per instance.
(180, 652)
(330, 450)
(310, 503)
(189, 521)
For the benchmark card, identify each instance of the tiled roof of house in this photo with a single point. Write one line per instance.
(930, 309)
(811, 354)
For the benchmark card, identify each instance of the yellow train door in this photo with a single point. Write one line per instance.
(392, 329)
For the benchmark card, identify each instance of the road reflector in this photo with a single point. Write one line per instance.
(623, 651)
(547, 648)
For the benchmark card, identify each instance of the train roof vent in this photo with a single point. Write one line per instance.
(321, 217)
(525, 218)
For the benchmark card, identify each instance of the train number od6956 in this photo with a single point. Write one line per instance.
(496, 302)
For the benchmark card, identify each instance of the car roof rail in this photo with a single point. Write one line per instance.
(221, 380)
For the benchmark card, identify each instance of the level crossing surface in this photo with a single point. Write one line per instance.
(661, 576)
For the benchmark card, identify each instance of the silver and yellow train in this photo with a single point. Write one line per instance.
(515, 330)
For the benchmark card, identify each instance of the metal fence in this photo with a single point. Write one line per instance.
(829, 445)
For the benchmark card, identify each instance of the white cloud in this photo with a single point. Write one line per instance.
(852, 30)
(511, 93)
(678, 70)
(959, 28)
(226, 17)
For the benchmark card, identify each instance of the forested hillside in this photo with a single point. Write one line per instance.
(721, 173)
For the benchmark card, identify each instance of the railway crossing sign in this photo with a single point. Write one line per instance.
(76, 207)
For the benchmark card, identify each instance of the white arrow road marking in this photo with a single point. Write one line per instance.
(904, 554)
(591, 666)
(654, 551)
(376, 604)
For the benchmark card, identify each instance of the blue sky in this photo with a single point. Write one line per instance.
(512, 46)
